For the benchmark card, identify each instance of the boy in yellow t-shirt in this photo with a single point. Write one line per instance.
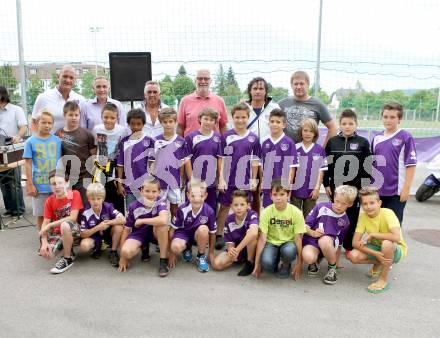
(281, 229)
(378, 239)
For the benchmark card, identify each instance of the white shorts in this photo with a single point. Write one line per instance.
(174, 196)
(38, 204)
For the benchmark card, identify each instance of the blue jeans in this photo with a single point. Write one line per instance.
(272, 254)
(393, 203)
(10, 183)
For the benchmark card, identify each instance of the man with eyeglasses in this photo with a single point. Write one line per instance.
(152, 106)
(192, 104)
(92, 109)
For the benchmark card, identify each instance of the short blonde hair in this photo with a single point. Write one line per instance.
(348, 192)
(197, 183)
(369, 191)
(47, 112)
(95, 190)
(310, 123)
(208, 112)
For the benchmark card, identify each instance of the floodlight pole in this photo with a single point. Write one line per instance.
(21, 56)
(318, 57)
(95, 31)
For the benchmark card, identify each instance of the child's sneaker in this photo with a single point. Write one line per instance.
(146, 254)
(284, 271)
(247, 269)
(114, 258)
(202, 264)
(187, 255)
(96, 254)
(164, 270)
(313, 269)
(62, 265)
(330, 277)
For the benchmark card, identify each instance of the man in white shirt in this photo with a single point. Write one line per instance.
(13, 123)
(91, 110)
(152, 106)
(54, 99)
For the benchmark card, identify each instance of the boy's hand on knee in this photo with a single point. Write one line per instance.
(233, 253)
(123, 264)
(172, 260)
(45, 251)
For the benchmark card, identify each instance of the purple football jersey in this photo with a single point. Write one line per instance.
(393, 154)
(134, 156)
(89, 219)
(277, 159)
(234, 233)
(239, 152)
(186, 220)
(311, 162)
(138, 210)
(334, 225)
(169, 156)
(204, 151)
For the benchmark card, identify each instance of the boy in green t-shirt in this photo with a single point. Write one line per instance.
(281, 229)
(378, 239)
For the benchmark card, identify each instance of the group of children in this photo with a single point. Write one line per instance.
(132, 193)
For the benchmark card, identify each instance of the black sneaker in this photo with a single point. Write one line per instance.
(96, 254)
(313, 269)
(62, 265)
(284, 271)
(247, 269)
(330, 277)
(114, 258)
(7, 214)
(164, 270)
(219, 243)
(146, 254)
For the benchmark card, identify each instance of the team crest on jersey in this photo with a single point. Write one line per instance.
(284, 146)
(216, 139)
(341, 222)
(92, 223)
(267, 145)
(251, 139)
(397, 142)
(203, 219)
(189, 219)
(354, 146)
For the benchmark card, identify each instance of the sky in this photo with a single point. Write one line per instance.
(383, 44)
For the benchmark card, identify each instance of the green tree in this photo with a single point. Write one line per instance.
(167, 91)
(87, 85)
(278, 93)
(35, 87)
(322, 95)
(220, 82)
(8, 80)
(183, 85)
(230, 78)
(182, 71)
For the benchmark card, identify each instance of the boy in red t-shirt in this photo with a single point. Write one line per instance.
(60, 229)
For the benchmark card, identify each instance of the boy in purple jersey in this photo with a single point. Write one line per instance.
(135, 153)
(395, 159)
(312, 164)
(170, 154)
(240, 163)
(99, 221)
(241, 233)
(147, 221)
(326, 227)
(194, 223)
(204, 146)
(278, 155)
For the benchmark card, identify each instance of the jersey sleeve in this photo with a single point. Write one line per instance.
(177, 220)
(222, 145)
(410, 154)
(256, 151)
(84, 225)
(130, 218)
(344, 231)
(212, 223)
(312, 218)
(189, 145)
(113, 211)
(324, 165)
(294, 154)
(161, 206)
(254, 218)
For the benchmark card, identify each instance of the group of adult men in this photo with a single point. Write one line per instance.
(297, 107)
